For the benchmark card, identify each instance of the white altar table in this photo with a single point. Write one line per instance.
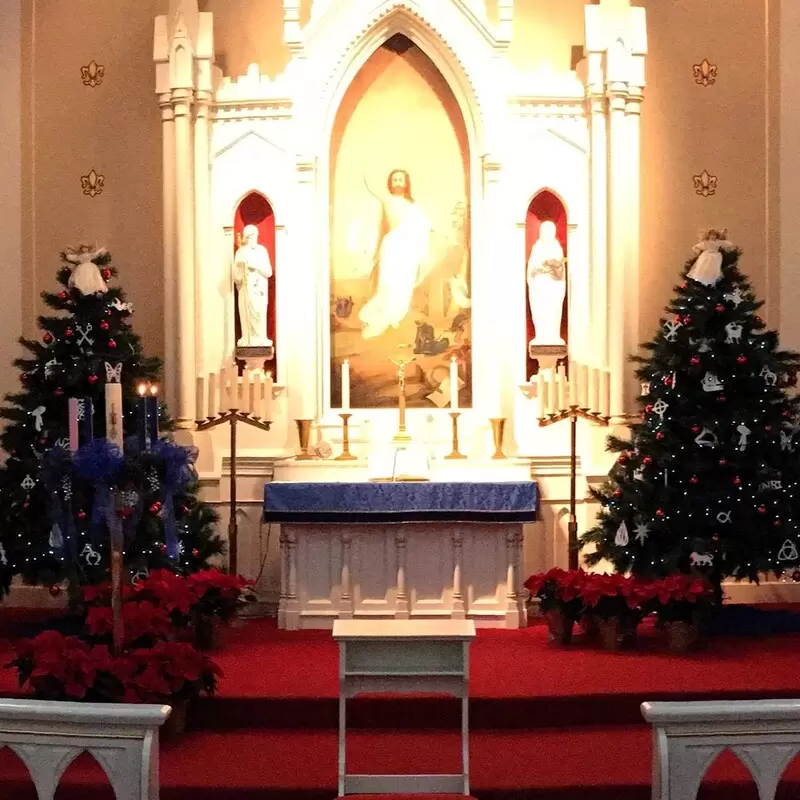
(400, 551)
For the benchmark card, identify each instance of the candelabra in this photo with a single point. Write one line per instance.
(573, 414)
(455, 454)
(233, 417)
(346, 455)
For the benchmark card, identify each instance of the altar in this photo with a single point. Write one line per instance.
(428, 550)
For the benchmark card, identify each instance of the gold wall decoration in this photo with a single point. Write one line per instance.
(705, 73)
(92, 184)
(92, 74)
(705, 184)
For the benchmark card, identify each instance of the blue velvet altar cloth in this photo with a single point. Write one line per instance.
(400, 502)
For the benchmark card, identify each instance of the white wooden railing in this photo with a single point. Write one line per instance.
(49, 736)
(687, 737)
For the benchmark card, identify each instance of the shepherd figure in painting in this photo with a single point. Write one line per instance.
(252, 270)
(402, 258)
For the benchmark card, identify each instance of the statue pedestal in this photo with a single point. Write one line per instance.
(547, 356)
(255, 356)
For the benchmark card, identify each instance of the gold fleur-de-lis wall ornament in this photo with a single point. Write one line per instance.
(92, 184)
(705, 184)
(705, 73)
(92, 74)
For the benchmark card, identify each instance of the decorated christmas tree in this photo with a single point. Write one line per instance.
(708, 479)
(52, 514)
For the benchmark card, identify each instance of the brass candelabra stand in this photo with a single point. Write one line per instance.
(233, 417)
(346, 455)
(454, 415)
(573, 414)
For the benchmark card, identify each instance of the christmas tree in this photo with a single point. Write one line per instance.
(50, 516)
(708, 477)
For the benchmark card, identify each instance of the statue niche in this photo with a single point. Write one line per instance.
(546, 280)
(254, 278)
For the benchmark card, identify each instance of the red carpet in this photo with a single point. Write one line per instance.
(547, 723)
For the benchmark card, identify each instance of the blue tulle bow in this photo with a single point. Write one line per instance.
(177, 474)
(100, 462)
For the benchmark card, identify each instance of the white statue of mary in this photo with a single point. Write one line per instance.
(547, 286)
(252, 270)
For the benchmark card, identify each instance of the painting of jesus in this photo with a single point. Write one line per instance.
(400, 257)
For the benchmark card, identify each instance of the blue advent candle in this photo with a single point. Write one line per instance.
(141, 417)
(87, 421)
(152, 416)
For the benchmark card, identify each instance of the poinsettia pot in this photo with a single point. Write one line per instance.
(206, 632)
(681, 636)
(175, 725)
(559, 625)
(610, 630)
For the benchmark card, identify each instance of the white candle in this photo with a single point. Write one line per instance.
(255, 393)
(238, 400)
(605, 398)
(594, 385)
(546, 393)
(223, 390)
(345, 386)
(540, 392)
(562, 390)
(200, 399)
(212, 400)
(572, 384)
(583, 390)
(246, 405)
(72, 420)
(114, 428)
(267, 398)
(453, 383)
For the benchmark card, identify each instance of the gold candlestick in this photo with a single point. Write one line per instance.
(402, 434)
(498, 428)
(454, 415)
(346, 454)
(304, 433)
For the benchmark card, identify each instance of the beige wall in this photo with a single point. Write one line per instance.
(69, 129)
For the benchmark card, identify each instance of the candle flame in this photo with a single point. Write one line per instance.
(154, 389)
(142, 389)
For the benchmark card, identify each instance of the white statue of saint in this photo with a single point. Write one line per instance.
(402, 259)
(547, 286)
(708, 267)
(252, 270)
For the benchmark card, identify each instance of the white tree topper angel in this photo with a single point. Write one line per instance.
(86, 277)
(708, 267)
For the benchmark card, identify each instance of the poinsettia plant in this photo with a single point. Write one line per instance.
(681, 597)
(609, 595)
(558, 590)
(217, 594)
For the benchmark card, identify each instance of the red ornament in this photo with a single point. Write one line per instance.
(694, 361)
(155, 508)
(715, 537)
(758, 320)
(684, 285)
(59, 391)
(108, 312)
(104, 325)
(24, 377)
(163, 548)
(694, 480)
(736, 480)
(648, 408)
(659, 512)
(112, 344)
(722, 462)
(777, 523)
(195, 552)
(687, 320)
(660, 435)
(668, 380)
(741, 359)
(69, 333)
(696, 429)
(81, 515)
(786, 412)
(768, 427)
(677, 318)
(719, 308)
(622, 460)
(107, 274)
(47, 338)
(762, 509)
(617, 492)
(722, 399)
(62, 295)
(55, 591)
(647, 460)
(92, 379)
(26, 504)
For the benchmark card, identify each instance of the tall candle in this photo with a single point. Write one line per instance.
(212, 399)
(453, 383)
(345, 386)
(540, 392)
(87, 421)
(72, 421)
(200, 399)
(254, 395)
(546, 379)
(244, 401)
(267, 400)
(594, 385)
(572, 384)
(562, 390)
(152, 415)
(141, 416)
(605, 399)
(583, 393)
(114, 429)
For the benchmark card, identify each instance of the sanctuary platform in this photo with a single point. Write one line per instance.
(546, 723)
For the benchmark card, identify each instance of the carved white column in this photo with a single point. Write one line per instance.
(202, 223)
(168, 213)
(401, 610)
(512, 612)
(346, 594)
(458, 609)
(292, 614)
(284, 564)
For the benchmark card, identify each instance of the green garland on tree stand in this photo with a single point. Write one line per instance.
(708, 481)
(90, 329)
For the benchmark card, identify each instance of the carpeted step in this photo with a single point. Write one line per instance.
(557, 764)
